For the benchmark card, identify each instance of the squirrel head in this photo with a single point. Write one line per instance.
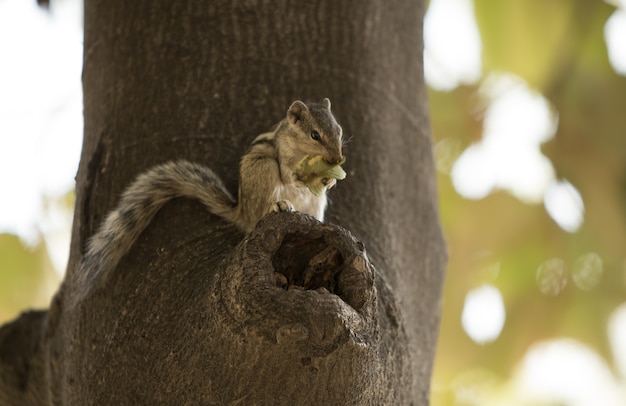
(316, 130)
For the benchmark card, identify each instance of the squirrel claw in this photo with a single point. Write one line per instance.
(329, 182)
(283, 205)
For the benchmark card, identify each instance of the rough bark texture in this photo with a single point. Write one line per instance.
(296, 312)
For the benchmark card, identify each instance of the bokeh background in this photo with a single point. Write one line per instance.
(528, 110)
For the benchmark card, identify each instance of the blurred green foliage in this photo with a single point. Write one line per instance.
(27, 276)
(558, 48)
(27, 279)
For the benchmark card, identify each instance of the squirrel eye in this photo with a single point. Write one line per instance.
(315, 135)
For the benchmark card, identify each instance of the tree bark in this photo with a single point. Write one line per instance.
(196, 313)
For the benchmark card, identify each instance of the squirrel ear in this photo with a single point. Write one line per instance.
(326, 103)
(296, 111)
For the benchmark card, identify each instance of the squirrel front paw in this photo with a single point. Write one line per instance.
(283, 205)
(329, 182)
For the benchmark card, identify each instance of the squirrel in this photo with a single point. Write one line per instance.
(268, 181)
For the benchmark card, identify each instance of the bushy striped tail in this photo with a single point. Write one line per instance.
(139, 204)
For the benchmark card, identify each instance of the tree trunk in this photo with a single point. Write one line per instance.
(193, 314)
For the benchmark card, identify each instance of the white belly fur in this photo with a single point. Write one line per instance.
(302, 199)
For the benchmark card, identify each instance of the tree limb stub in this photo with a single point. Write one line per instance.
(306, 293)
(329, 295)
